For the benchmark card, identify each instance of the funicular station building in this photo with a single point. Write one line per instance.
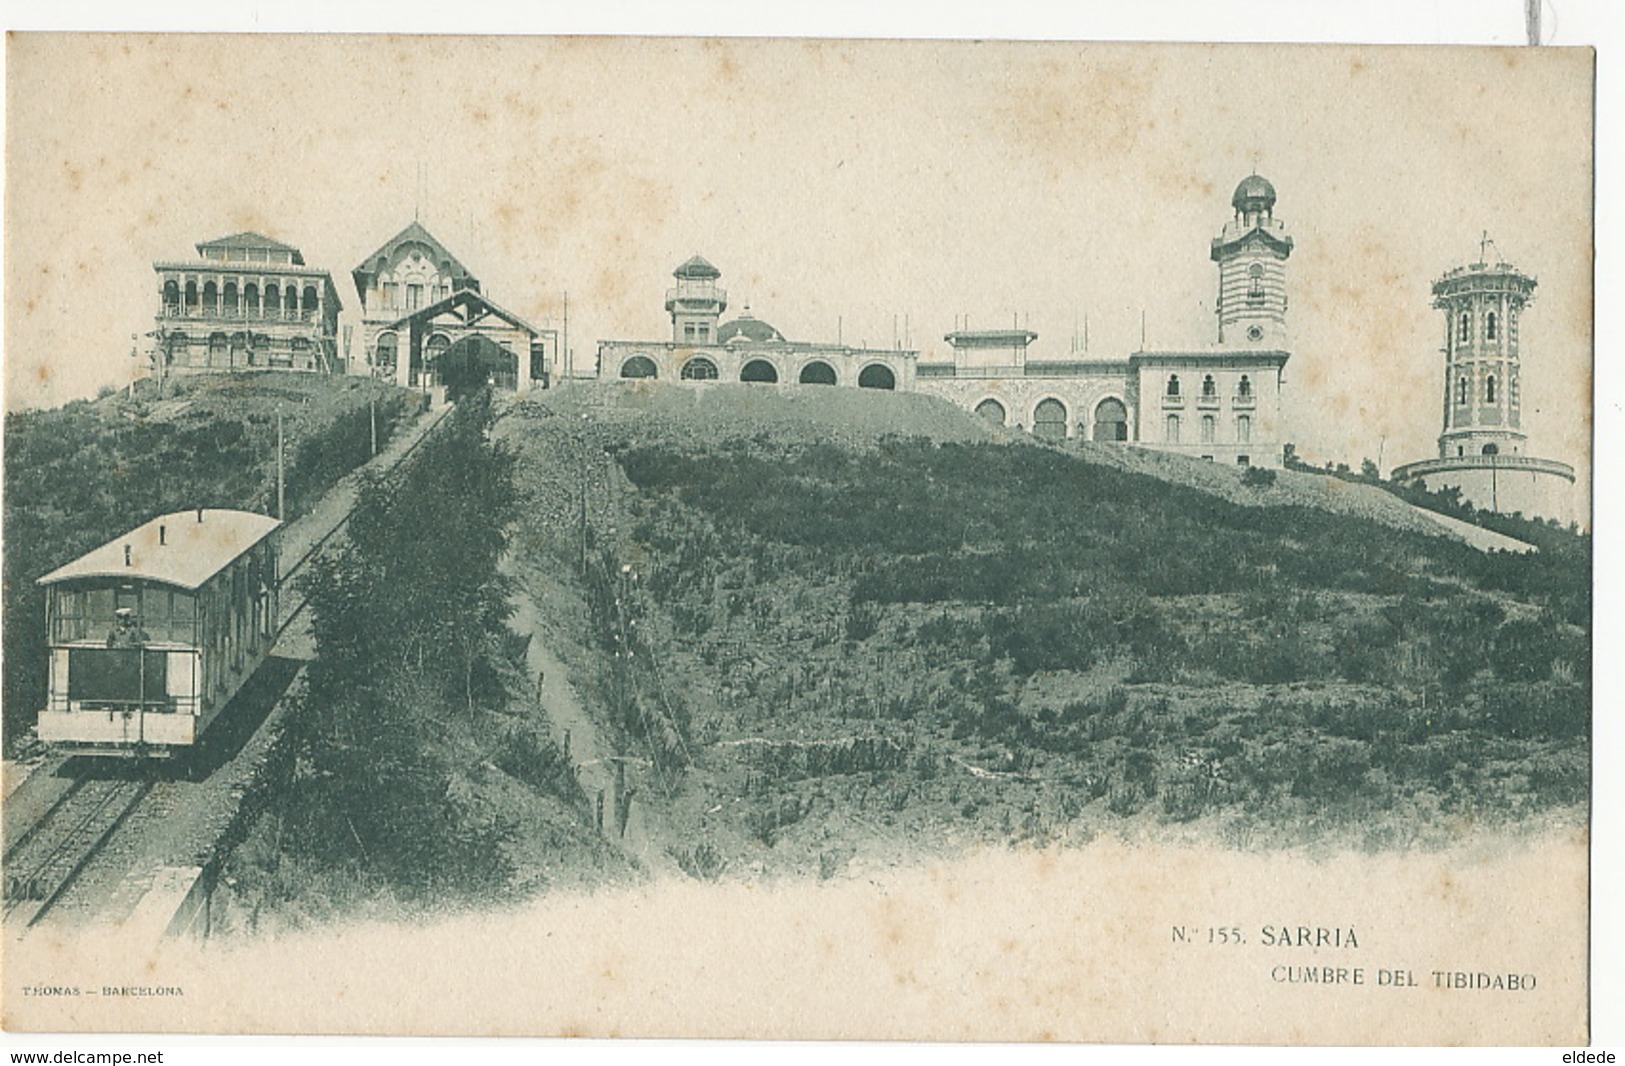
(422, 311)
(246, 302)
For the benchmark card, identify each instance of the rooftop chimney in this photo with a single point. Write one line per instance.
(200, 514)
(161, 538)
(126, 555)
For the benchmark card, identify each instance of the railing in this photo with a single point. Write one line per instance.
(1244, 399)
(1208, 400)
(702, 294)
(1483, 462)
(227, 314)
(1173, 399)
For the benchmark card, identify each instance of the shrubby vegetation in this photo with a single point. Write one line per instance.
(418, 698)
(1270, 667)
(80, 475)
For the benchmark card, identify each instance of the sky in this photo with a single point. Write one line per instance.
(878, 191)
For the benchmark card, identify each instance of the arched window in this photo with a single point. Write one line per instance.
(191, 297)
(1170, 429)
(760, 371)
(172, 296)
(211, 299)
(251, 300)
(698, 368)
(1049, 419)
(1255, 282)
(1244, 429)
(1464, 327)
(1209, 389)
(1244, 388)
(877, 376)
(1461, 390)
(1492, 449)
(819, 372)
(384, 357)
(1489, 389)
(992, 410)
(309, 302)
(1111, 420)
(228, 298)
(1173, 384)
(1209, 428)
(639, 366)
(1489, 326)
(273, 300)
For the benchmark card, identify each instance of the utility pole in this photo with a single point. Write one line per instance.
(372, 413)
(281, 490)
(569, 363)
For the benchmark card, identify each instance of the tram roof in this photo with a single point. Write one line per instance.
(184, 549)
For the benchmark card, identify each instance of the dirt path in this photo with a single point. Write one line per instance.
(599, 770)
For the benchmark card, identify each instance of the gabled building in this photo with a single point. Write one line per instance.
(418, 300)
(246, 302)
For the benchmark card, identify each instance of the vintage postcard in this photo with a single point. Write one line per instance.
(798, 539)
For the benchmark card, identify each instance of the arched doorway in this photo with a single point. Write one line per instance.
(698, 368)
(818, 372)
(1111, 420)
(760, 371)
(1049, 419)
(384, 353)
(992, 410)
(431, 357)
(877, 376)
(639, 366)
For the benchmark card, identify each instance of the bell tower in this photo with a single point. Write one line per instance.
(695, 303)
(1251, 253)
(1482, 303)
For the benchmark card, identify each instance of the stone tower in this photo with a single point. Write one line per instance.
(695, 303)
(1483, 449)
(1482, 304)
(1252, 253)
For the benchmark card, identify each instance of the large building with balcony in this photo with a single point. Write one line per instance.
(1220, 403)
(246, 302)
(746, 349)
(420, 307)
(1483, 450)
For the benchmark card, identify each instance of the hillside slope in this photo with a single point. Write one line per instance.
(837, 624)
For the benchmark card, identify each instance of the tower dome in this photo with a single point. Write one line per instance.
(1254, 194)
(749, 328)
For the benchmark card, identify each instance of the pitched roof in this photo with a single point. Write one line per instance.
(191, 550)
(696, 267)
(469, 298)
(250, 239)
(413, 233)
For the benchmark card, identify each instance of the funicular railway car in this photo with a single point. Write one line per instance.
(153, 633)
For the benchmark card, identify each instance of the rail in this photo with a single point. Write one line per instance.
(44, 862)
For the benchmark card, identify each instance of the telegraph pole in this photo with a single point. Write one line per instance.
(281, 491)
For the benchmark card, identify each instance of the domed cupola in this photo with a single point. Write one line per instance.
(747, 329)
(1254, 196)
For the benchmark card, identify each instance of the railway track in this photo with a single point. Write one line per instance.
(286, 581)
(42, 864)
